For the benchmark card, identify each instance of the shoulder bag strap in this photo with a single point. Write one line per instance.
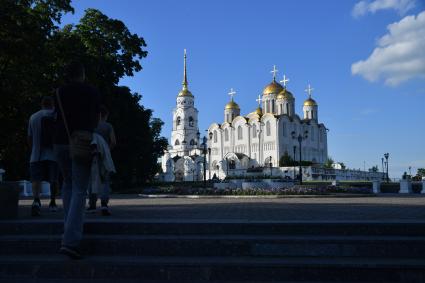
(63, 115)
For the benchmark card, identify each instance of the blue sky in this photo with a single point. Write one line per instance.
(372, 107)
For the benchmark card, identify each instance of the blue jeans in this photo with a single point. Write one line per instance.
(74, 191)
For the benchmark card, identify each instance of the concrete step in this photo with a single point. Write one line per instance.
(213, 269)
(111, 227)
(223, 245)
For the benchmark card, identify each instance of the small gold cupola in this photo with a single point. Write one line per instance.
(274, 87)
(232, 109)
(310, 107)
(309, 101)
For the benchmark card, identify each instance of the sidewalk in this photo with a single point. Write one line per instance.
(319, 209)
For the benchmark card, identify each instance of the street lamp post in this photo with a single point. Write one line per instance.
(300, 138)
(259, 131)
(210, 135)
(295, 148)
(209, 163)
(387, 155)
(204, 143)
(271, 172)
(383, 172)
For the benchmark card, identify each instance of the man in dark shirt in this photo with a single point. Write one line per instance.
(79, 103)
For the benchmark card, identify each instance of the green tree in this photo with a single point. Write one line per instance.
(374, 169)
(328, 163)
(286, 160)
(421, 172)
(25, 28)
(36, 51)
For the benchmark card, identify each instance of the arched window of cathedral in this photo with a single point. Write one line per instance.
(287, 108)
(281, 109)
(254, 131)
(177, 142)
(272, 105)
(178, 121)
(226, 135)
(268, 130)
(191, 121)
(192, 142)
(284, 129)
(215, 136)
(240, 133)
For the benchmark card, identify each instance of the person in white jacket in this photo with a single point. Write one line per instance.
(105, 141)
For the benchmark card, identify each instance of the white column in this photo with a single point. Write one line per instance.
(405, 187)
(376, 187)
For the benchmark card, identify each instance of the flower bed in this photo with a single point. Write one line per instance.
(295, 190)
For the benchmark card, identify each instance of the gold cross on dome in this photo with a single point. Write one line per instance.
(309, 90)
(232, 93)
(285, 81)
(259, 99)
(274, 71)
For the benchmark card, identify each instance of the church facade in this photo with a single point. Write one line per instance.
(242, 142)
(262, 137)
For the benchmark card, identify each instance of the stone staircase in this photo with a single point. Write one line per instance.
(225, 251)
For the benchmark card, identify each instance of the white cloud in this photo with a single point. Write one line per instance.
(364, 7)
(400, 54)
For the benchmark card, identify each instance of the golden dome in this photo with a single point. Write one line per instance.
(285, 94)
(273, 87)
(310, 102)
(232, 105)
(185, 92)
(257, 111)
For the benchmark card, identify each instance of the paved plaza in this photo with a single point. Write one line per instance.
(373, 208)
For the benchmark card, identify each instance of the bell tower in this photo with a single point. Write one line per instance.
(185, 118)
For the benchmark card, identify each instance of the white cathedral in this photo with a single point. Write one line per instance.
(243, 142)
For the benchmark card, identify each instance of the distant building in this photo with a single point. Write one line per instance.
(262, 137)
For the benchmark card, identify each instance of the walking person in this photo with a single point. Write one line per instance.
(77, 117)
(43, 166)
(106, 131)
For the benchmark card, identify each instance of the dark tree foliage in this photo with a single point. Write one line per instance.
(374, 169)
(34, 52)
(329, 162)
(286, 160)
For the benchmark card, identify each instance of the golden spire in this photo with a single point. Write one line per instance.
(184, 73)
(185, 91)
